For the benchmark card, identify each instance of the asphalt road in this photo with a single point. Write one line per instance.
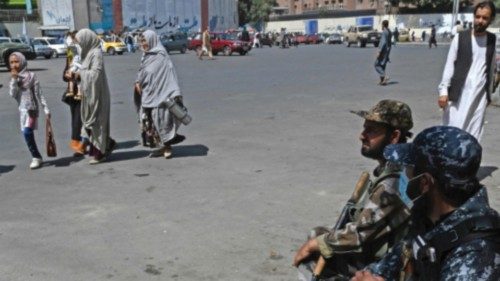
(272, 151)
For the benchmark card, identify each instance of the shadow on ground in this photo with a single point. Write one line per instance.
(63, 162)
(485, 171)
(127, 144)
(128, 155)
(189, 150)
(6, 169)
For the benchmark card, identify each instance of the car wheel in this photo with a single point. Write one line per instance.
(120, 53)
(243, 53)
(48, 56)
(215, 53)
(227, 51)
(375, 44)
(111, 51)
(347, 43)
(183, 50)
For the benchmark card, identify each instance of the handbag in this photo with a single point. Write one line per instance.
(49, 139)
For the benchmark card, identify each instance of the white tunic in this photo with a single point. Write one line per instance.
(468, 112)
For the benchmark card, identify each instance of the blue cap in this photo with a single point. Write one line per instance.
(448, 153)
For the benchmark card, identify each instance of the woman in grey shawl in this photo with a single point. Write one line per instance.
(95, 104)
(157, 82)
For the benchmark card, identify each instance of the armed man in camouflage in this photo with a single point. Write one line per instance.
(379, 218)
(454, 233)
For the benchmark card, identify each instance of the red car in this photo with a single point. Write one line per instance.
(226, 43)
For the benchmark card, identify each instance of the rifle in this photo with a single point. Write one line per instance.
(344, 218)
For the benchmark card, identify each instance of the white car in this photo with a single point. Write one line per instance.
(58, 47)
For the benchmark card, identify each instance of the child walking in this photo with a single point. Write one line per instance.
(25, 88)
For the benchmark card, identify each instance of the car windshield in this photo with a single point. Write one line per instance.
(365, 28)
(39, 42)
(4, 40)
(229, 36)
(109, 40)
(52, 41)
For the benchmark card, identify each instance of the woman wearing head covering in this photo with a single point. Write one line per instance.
(157, 82)
(95, 104)
(25, 88)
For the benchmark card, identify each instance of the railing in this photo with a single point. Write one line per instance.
(18, 15)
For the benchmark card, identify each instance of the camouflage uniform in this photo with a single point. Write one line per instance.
(450, 153)
(380, 217)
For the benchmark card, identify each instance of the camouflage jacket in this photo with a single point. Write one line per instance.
(475, 260)
(381, 216)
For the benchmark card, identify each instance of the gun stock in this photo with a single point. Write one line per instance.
(343, 218)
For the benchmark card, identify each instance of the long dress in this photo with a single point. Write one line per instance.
(95, 104)
(469, 111)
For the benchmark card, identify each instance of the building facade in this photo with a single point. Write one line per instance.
(294, 7)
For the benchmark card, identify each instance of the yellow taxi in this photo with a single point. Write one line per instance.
(112, 47)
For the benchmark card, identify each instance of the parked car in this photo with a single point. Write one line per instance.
(113, 47)
(265, 39)
(226, 43)
(301, 39)
(7, 47)
(58, 47)
(362, 35)
(42, 49)
(314, 39)
(334, 38)
(175, 42)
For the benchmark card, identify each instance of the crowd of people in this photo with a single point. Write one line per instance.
(422, 213)
(88, 97)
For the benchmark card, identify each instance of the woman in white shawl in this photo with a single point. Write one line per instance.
(95, 104)
(156, 82)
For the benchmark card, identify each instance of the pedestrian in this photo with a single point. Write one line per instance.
(73, 64)
(395, 35)
(95, 104)
(256, 40)
(129, 40)
(25, 88)
(156, 83)
(456, 28)
(469, 76)
(432, 38)
(424, 35)
(454, 233)
(384, 51)
(379, 219)
(245, 36)
(206, 45)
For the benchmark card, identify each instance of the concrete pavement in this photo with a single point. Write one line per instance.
(272, 151)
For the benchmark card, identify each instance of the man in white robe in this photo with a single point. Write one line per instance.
(466, 110)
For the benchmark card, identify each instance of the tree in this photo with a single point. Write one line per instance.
(255, 11)
(438, 4)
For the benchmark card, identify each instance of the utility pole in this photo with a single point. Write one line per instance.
(454, 16)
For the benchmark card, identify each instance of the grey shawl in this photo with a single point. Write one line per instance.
(95, 105)
(157, 75)
(158, 81)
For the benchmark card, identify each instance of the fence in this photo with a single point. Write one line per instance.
(18, 15)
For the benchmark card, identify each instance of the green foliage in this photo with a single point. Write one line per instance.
(16, 4)
(438, 4)
(254, 11)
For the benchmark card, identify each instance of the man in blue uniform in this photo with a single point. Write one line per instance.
(454, 233)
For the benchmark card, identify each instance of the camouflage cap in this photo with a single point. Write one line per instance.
(449, 153)
(394, 113)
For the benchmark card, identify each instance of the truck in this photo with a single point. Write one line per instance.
(362, 35)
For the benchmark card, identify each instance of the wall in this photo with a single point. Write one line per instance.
(58, 12)
(222, 15)
(417, 21)
(16, 28)
(162, 16)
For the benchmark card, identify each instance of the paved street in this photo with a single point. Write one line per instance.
(272, 152)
